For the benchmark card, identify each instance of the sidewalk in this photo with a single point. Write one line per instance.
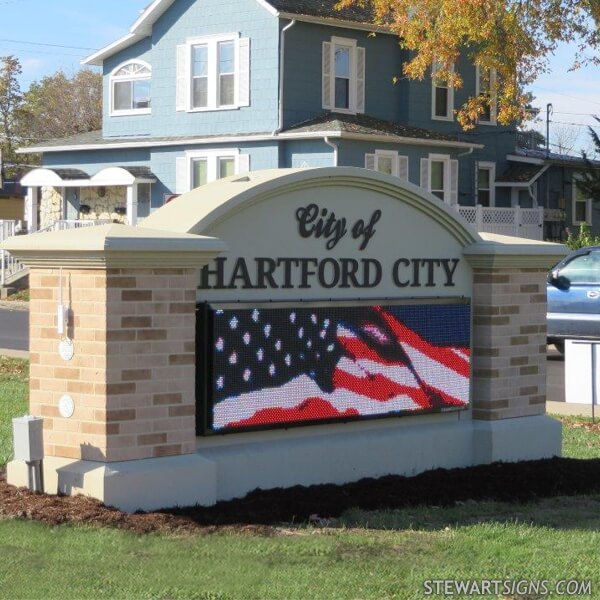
(571, 409)
(14, 305)
(14, 353)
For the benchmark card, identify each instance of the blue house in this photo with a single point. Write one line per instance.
(200, 90)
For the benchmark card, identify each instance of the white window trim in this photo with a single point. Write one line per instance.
(212, 41)
(445, 158)
(388, 154)
(491, 166)
(449, 102)
(588, 207)
(212, 157)
(133, 111)
(351, 43)
(493, 96)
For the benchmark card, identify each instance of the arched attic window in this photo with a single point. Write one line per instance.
(130, 88)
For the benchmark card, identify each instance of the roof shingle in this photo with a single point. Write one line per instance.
(366, 125)
(326, 9)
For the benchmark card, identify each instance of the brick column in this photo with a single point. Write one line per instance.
(132, 377)
(131, 295)
(509, 350)
(509, 343)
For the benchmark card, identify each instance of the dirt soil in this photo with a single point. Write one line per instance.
(262, 510)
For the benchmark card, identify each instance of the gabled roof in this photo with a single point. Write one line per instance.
(365, 127)
(300, 9)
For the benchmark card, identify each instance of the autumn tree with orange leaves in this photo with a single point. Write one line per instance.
(514, 37)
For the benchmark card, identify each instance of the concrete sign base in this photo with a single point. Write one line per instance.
(230, 468)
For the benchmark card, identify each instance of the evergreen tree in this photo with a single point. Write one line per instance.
(590, 177)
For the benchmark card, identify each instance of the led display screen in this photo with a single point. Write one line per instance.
(275, 366)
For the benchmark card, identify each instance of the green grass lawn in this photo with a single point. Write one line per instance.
(14, 377)
(375, 555)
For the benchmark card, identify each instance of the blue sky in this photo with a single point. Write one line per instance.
(96, 23)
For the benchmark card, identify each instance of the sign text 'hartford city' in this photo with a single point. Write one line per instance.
(327, 273)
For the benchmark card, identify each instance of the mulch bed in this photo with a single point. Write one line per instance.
(261, 511)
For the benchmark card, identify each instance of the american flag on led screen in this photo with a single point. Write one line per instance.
(290, 365)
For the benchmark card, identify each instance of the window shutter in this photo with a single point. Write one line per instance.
(360, 79)
(327, 75)
(181, 179)
(182, 78)
(425, 183)
(370, 162)
(453, 182)
(493, 94)
(403, 168)
(244, 72)
(243, 163)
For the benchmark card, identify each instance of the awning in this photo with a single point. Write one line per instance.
(521, 175)
(111, 176)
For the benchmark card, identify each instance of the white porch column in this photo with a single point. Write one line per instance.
(31, 209)
(132, 204)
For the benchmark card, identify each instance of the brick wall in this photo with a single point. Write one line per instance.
(132, 376)
(151, 358)
(509, 343)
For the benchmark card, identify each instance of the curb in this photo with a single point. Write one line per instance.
(9, 353)
(14, 305)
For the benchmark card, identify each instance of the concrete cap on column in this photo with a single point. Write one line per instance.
(497, 251)
(113, 246)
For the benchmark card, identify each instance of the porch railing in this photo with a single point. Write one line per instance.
(518, 222)
(62, 224)
(10, 268)
(8, 265)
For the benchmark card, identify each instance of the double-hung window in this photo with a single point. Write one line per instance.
(582, 206)
(388, 162)
(486, 87)
(442, 96)
(200, 76)
(486, 177)
(130, 85)
(439, 176)
(198, 168)
(213, 73)
(343, 76)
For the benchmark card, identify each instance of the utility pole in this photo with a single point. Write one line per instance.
(549, 110)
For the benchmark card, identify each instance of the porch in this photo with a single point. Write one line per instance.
(115, 194)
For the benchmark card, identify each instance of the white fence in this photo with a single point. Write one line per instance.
(9, 267)
(519, 222)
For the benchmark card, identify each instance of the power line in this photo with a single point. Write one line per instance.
(44, 44)
(567, 95)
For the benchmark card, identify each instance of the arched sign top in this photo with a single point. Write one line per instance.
(203, 209)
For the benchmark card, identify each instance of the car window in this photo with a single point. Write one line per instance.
(583, 269)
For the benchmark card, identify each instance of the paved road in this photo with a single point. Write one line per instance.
(14, 329)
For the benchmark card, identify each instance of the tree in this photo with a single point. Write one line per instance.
(590, 178)
(59, 106)
(513, 37)
(11, 103)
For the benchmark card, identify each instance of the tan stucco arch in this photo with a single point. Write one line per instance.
(202, 209)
